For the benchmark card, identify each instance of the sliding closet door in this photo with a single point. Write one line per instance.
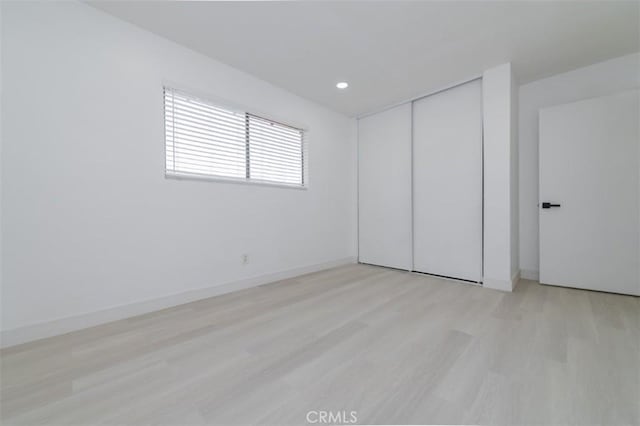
(447, 182)
(384, 188)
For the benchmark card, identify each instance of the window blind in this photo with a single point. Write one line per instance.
(203, 139)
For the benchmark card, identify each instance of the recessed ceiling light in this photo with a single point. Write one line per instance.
(342, 85)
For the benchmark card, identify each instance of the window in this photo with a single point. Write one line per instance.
(206, 140)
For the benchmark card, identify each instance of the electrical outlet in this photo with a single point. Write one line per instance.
(245, 259)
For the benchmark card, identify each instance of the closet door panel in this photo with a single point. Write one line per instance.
(384, 188)
(447, 182)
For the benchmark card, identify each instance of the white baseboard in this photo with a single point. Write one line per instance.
(529, 274)
(515, 279)
(64, 325)
(494, 284)
(502, 285)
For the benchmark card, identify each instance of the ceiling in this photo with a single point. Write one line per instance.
(390, 51)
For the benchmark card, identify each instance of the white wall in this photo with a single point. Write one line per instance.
(1, 7)
(514, 183)
(89, 221)
(596, 80)
(500, 168)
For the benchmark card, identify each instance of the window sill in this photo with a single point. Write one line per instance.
(193, 176)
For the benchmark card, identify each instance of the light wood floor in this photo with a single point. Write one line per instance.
(395, 347)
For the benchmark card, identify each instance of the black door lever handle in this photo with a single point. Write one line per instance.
(547, 205)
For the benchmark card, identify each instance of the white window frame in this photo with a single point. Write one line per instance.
(181, 175)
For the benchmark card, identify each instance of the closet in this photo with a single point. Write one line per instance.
(384, 188)
(420, 185)
(447, 183)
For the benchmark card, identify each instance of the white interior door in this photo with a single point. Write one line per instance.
(447, 182)
(589, 156)
(384, 188)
